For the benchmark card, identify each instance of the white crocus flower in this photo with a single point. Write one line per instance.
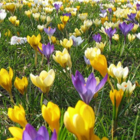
(127, 87)
(15, 40)
(138, 35)
(2, 15)
(76, 40)
(120, 73)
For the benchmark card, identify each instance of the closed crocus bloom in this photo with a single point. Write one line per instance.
(116, 97)
(66, 43)
(17, 23)
(21, 84)
(83, 28)
(77, 32)
(99, 63)
(36, 16)
(131, 37)
(10, 7)
(44, 81)
(16, 133)
(83, 16)
(6, 79)
(80, 121)
(97, 22)
(51, 114)
(120, 73)
(135, 28)
(13, 19)
(90, 53)
(127, 87)
(64, 19)
(17, 114)
(40, 27)
(110, 70)
(100, 45)
(28, 13)
(63, 58)
(87, 23)
(34, 41)
(49, 19)
(61, 27)
(115, 37)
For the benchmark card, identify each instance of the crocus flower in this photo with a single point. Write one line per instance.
(49, 31)
(63, 58)
(110, 32)
(97, 37)
(17, 114)
(44, 81)
(76, 40)
(67, 14)
(57, 6)
(42, 134)
(87, 60)
(51, 114)
(21, 84)
(125, 28)
(34, 41)
(138, 6)
(87, 89)
(131, 18)
(16, 133)
(116, 97)
(80, 121)
(47, 50)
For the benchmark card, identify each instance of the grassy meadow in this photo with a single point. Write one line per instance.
(71, 66)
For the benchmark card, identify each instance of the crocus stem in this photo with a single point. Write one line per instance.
(110, 84)
(11, 98)
(41, 100)
(115, 122)
(92, 70)
(110, 44)
(35, 58)
(42, 59)
(123, 46)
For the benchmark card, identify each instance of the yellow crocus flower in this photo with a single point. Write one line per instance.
(61, 27)
(131, 37)
(80, 121)
(116, 97)
(64, 19)
(63, 58)
(28, 13)
(51, 114)
(21, 84)
(44, 81)
(6, 79)
(34, 41)
(13, 19)
(17, 114)
(99, 63)
(10, 7)
(66, 43)
(16, 133)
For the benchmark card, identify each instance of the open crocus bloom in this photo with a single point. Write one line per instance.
(87, 89)
(44, 81)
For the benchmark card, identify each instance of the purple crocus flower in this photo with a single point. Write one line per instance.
(49, 31)
(110, 32)
(131, 17)
(97, 37)
(57, 6)
(138, 6)
(110, 10)
(47, 50)
(125, 28)
(67, 14)
(87, 61)
(87, 89)
(42, 134)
